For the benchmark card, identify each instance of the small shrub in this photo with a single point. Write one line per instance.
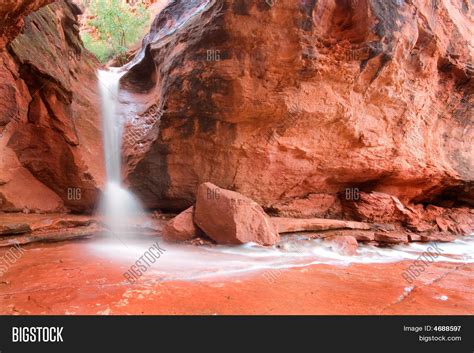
(99, 48)
(116, 25)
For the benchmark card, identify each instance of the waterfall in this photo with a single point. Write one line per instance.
(118, 205)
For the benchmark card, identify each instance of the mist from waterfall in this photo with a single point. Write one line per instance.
(118, 205)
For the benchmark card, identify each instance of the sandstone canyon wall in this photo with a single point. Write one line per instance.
(292, 102)
(50, 142)
(288, 102)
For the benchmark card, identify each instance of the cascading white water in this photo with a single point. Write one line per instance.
(118, 206)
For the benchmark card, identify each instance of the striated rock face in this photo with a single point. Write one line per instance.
(50, 149)
(304, 98)
(381, 208)
(12, 13)
(377, 207)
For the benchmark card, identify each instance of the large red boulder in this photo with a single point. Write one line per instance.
(231, 218)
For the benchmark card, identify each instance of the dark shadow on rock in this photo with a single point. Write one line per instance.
(141, 77)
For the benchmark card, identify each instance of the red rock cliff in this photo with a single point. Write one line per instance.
(50, 151)
(286, 101)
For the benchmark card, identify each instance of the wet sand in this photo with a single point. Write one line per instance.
(67, 278)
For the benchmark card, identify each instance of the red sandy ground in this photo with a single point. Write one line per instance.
(61, 278)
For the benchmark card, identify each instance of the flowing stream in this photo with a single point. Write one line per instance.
(191, 262)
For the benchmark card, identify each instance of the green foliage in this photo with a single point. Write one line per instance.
(99, 48)
(117, 24)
